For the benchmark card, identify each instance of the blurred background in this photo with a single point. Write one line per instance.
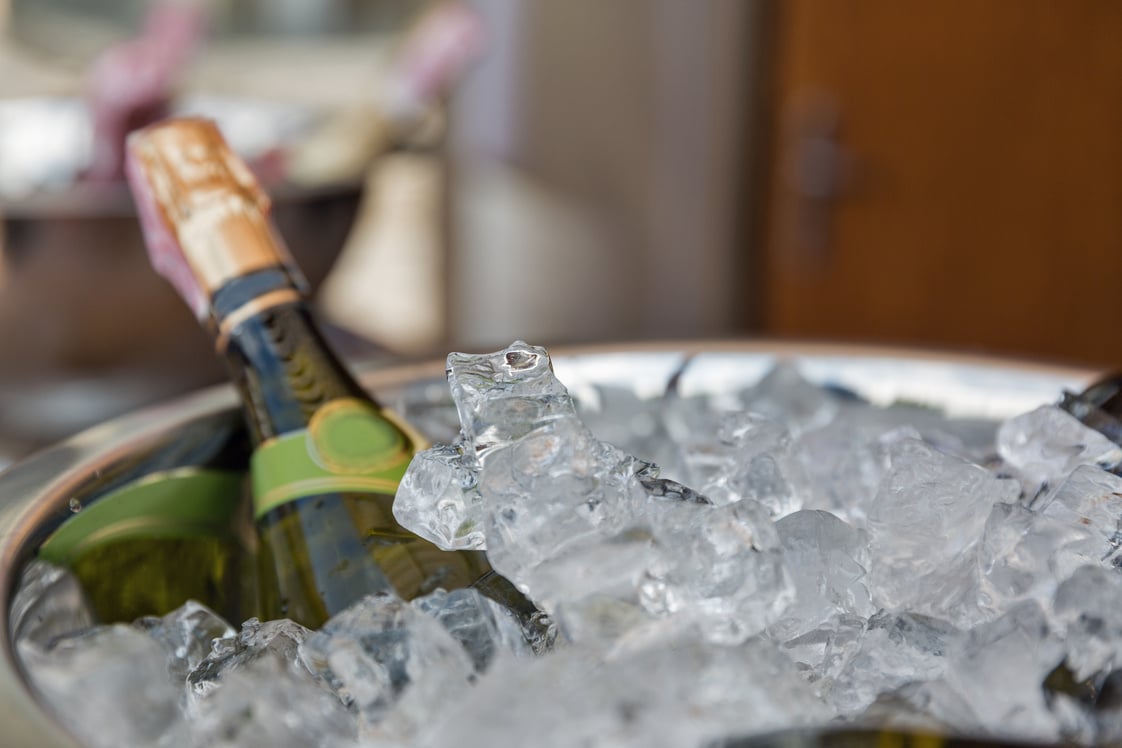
(938, 173)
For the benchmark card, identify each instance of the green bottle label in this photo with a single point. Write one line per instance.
(349, 445)
(180, 503)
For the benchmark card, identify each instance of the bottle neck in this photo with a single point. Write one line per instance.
(279, 361)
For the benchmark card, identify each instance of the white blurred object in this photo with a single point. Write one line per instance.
(388, 283)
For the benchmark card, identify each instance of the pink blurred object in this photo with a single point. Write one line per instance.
(447, 40)
(131, 85)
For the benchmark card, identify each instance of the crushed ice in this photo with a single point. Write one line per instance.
(802, 558)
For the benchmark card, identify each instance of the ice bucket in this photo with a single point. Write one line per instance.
(35, 493)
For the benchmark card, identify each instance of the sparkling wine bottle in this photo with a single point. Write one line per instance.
(327, 458)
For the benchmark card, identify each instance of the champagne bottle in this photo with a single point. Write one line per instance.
(163, 526)
(328, 458)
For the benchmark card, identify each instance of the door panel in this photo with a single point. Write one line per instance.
(949, 173)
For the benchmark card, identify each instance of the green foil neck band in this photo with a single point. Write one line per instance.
(350, 445)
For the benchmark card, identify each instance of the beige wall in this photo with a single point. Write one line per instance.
(596, 166)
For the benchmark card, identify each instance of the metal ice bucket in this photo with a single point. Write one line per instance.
(35, 494)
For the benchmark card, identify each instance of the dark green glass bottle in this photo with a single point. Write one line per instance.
(327, 458)
(157, 528)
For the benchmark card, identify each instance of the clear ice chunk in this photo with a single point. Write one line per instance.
(821, 652)
(503, 396)
(553, 489)
(756, 461)
(600, 595)
(827, 560)
(1091, 499)
(719, 569)
(846, 459)
(892, 651)
(619, 416)
(1088, 609)
(682, 692)
(109, 685)
(483, 627)
(439, 499)
(49, 603)
(544, 479)
(999, 669)
(279, 639)
(186, 634)
(1025, 555)
(924, 525)
(1046, 444)
(723, 567)
(692, 422)
(784, 395)
(395, 666)
(268, 704)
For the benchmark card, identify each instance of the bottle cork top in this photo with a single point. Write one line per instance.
(204, 217)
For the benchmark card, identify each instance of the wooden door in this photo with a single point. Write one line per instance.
(947, 173)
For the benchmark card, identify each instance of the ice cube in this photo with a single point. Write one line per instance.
(438, 498)
(723, 567)
(503, 396)
(682, 692)
(554, 488)
(619, 416)
(397, 667)
(268, 704)
(784, 395)
(1025, 554)
(999, 669)
(717, 568)
(109, 685)
(847, 458)
(821, 652)
(1046, 444)
(48, 603)
(483, 627)
(756, 461)
(277, 639)
(1091, 499)
(1088, 607)
(691, 426)
(186, 634)
(924, 525)
(527, 470)
(595, 593)
(827, 560)
(893, 650)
